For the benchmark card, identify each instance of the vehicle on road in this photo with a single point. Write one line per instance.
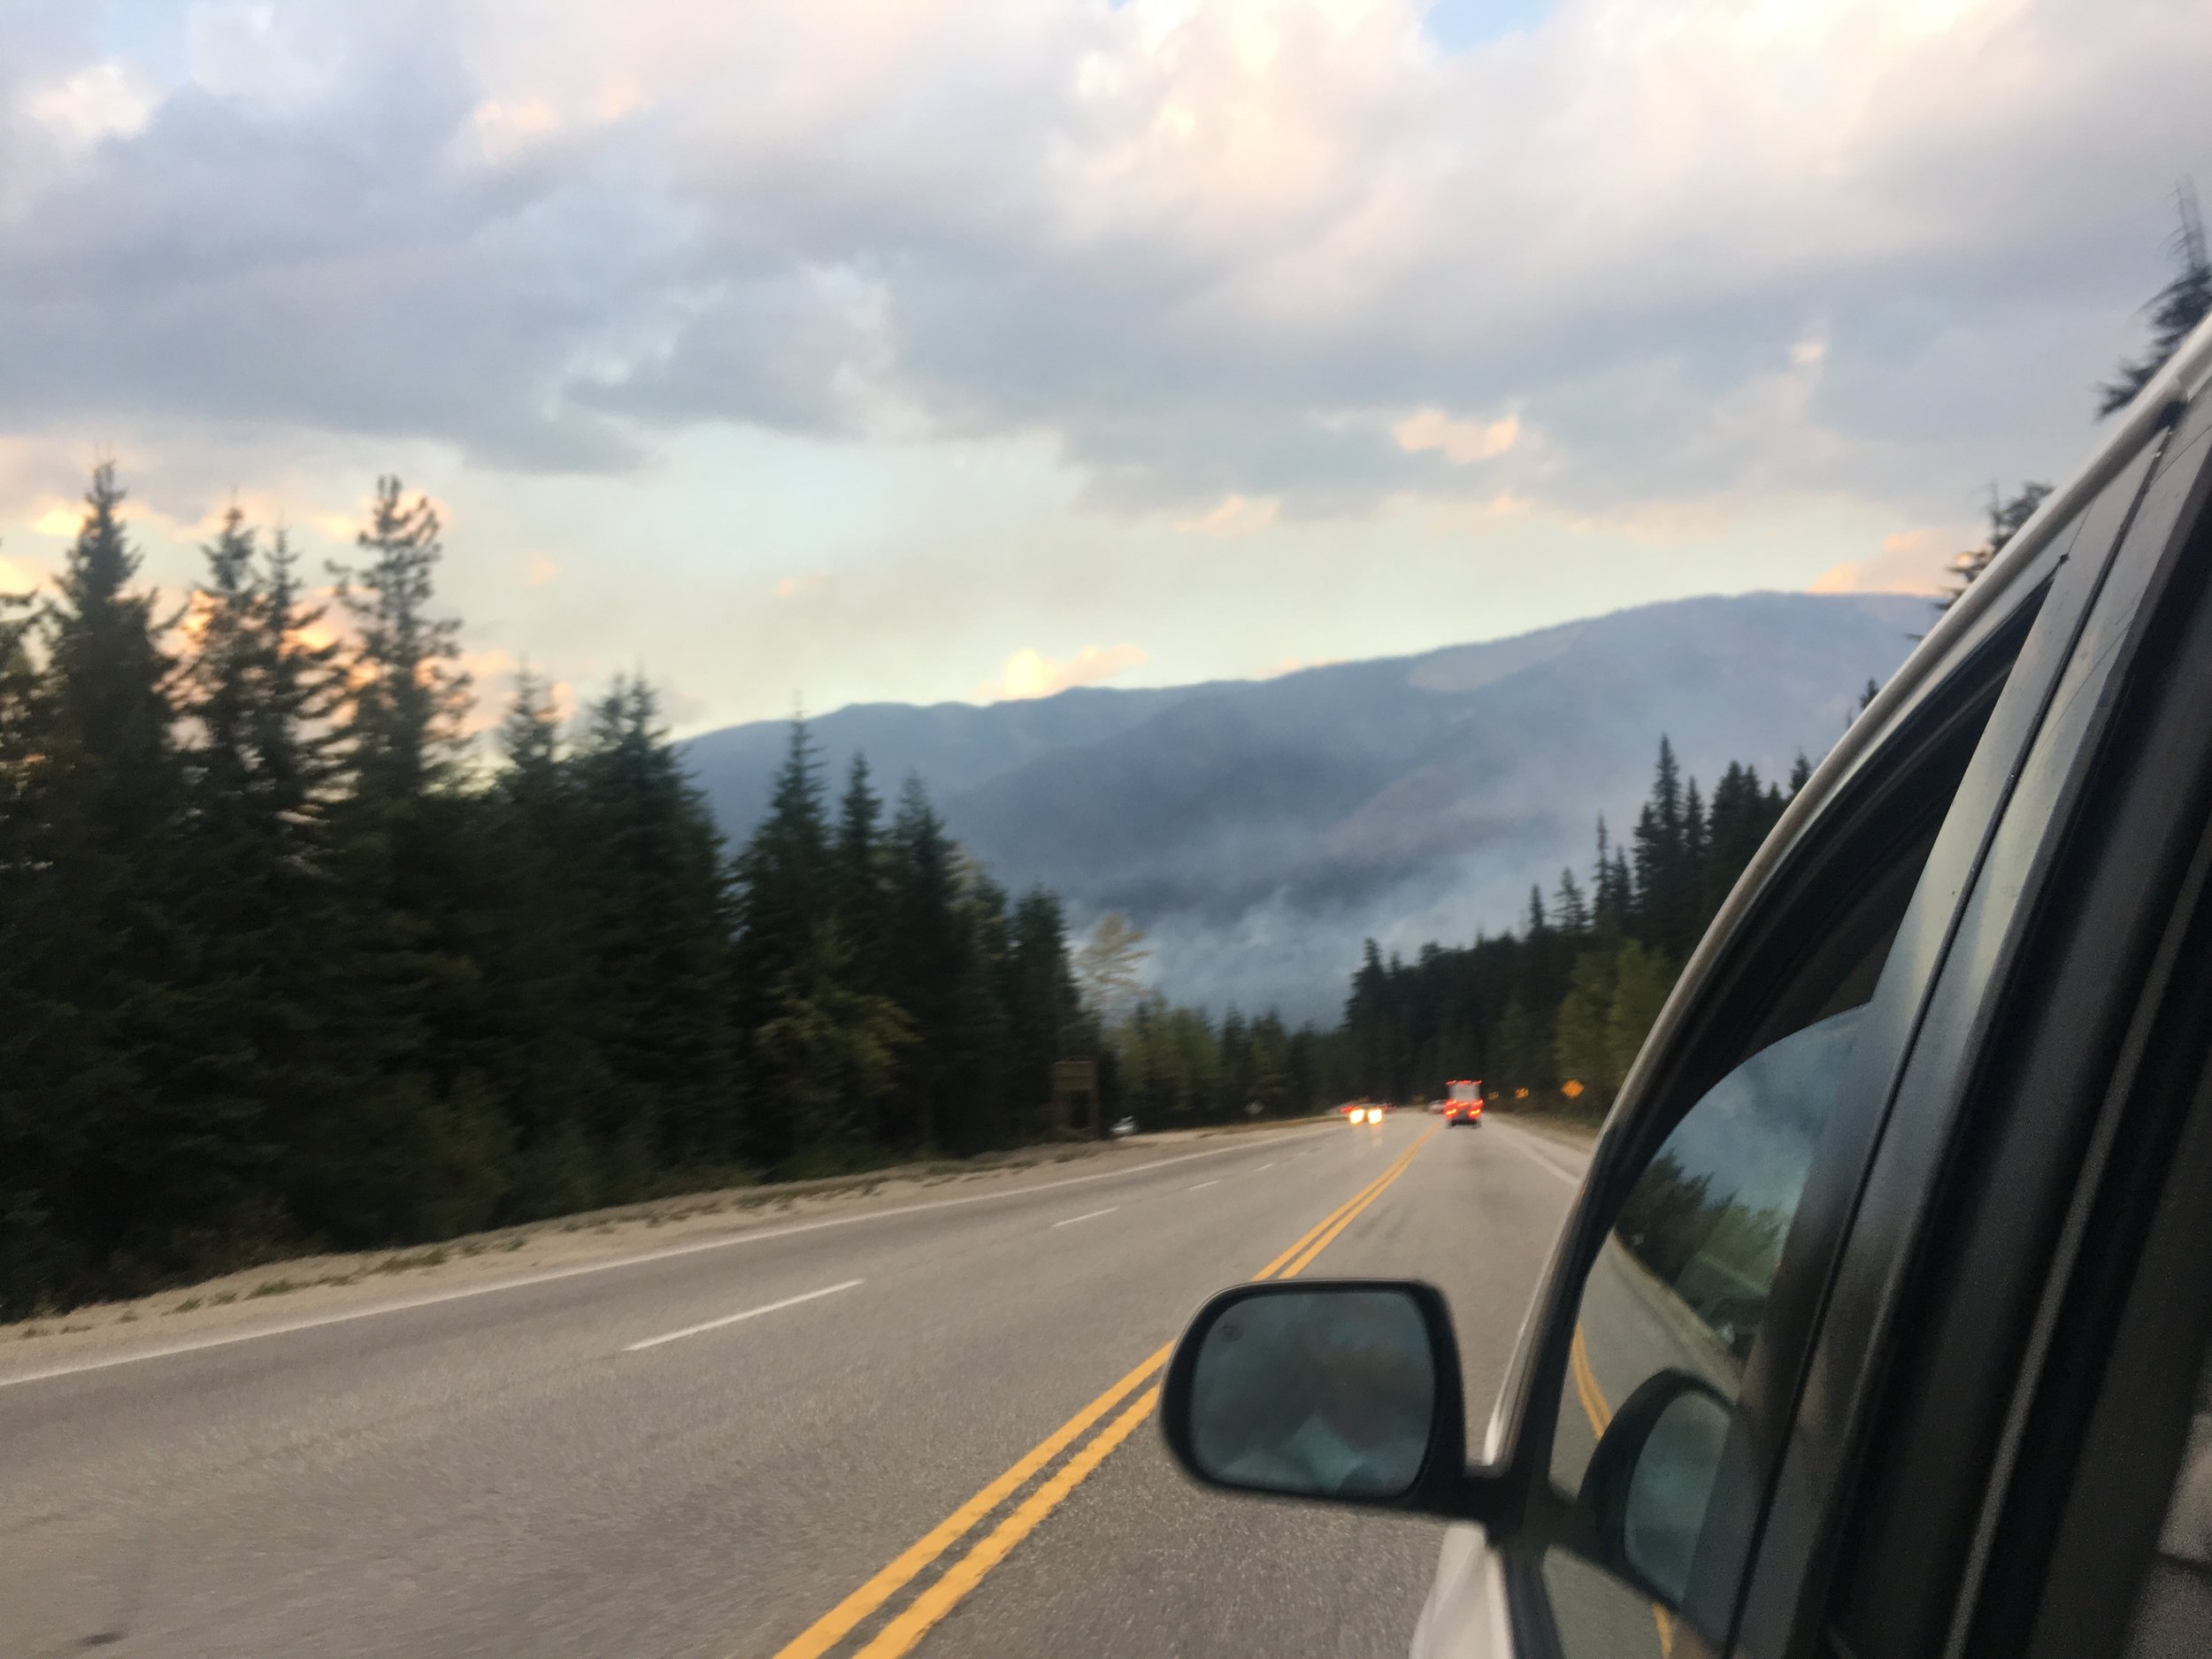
(1463, 1102)
(1880, 1326)
(1124, 1127)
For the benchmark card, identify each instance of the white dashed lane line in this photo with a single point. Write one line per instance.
(749, 1313)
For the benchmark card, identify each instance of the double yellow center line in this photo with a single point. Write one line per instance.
(900, 1635)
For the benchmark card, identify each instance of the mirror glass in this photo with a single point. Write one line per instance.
(1318, 1392)
(1663, 1508)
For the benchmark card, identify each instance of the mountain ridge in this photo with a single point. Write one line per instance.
(1260, 829)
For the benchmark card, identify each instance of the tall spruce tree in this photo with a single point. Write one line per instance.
(660, 961)
(927, 958)
(152, 1153)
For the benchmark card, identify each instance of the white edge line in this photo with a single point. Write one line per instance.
(1091, 1216)
(749, 1313)
(551, 1274)
(1571, 1180)
(1268, 1166)
(1202, 1185)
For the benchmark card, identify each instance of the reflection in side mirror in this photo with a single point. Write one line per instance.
(1345, 1390)
(1651, 1478)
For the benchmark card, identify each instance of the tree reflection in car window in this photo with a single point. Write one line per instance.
(1708, 1217)
(1682, 1281)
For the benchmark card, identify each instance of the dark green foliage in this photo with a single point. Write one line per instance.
(1571, 996)
(2174, 310)
(284, 966)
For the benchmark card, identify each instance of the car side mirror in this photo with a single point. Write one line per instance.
(1646, 1491)
(1344, 1390)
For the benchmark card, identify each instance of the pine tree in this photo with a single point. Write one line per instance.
(1569, 907)
(2174, 309)
(858, 877)
(783, 874)
(259, 698)
(1642, 977)
(660, 948)
(1041, 1003)
(836, 1048)
(925, 955)
(544, 1002)
(31, 1150)
(410, 698)
(1664, 873)
(2007, 519)
(151, 1154)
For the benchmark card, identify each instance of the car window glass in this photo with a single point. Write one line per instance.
(1678, 1287)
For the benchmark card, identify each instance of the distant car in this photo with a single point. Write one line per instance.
(1125, 1127)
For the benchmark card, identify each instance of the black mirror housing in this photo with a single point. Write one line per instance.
(1645, 1493)
(1338, 1390)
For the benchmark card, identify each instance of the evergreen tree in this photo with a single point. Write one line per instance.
(2007, 519)
(1642, 977)
(784, 873)
(1579, 1040)
(835, 1046)
(151, 1154)
(660, 948)
(926, 955)
(1042, 1002)
(2174, 309)
(857, 872)
(410, 698)
(1571, 910)
(1663, 902)
(258, 699)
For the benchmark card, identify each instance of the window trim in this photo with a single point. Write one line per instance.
(1929, 750)
(1905, 1232)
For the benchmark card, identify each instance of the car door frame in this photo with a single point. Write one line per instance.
(1974, 1214)
(2042, 594)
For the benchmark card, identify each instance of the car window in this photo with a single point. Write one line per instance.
(1679, 1286)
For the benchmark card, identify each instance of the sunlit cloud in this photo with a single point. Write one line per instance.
(1462, 443)
(1029, 673)
(105, 101)
(1233, 516)
(1910, 562)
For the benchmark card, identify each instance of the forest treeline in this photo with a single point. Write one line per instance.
(1569, 995)
(287, 960)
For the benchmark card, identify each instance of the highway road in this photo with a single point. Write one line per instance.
(923, 1431)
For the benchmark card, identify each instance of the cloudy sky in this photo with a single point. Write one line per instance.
(924, 349)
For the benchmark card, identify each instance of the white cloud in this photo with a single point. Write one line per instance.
(1029, 673)
(105, 101)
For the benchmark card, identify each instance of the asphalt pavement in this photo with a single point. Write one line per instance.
(925, 1431)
